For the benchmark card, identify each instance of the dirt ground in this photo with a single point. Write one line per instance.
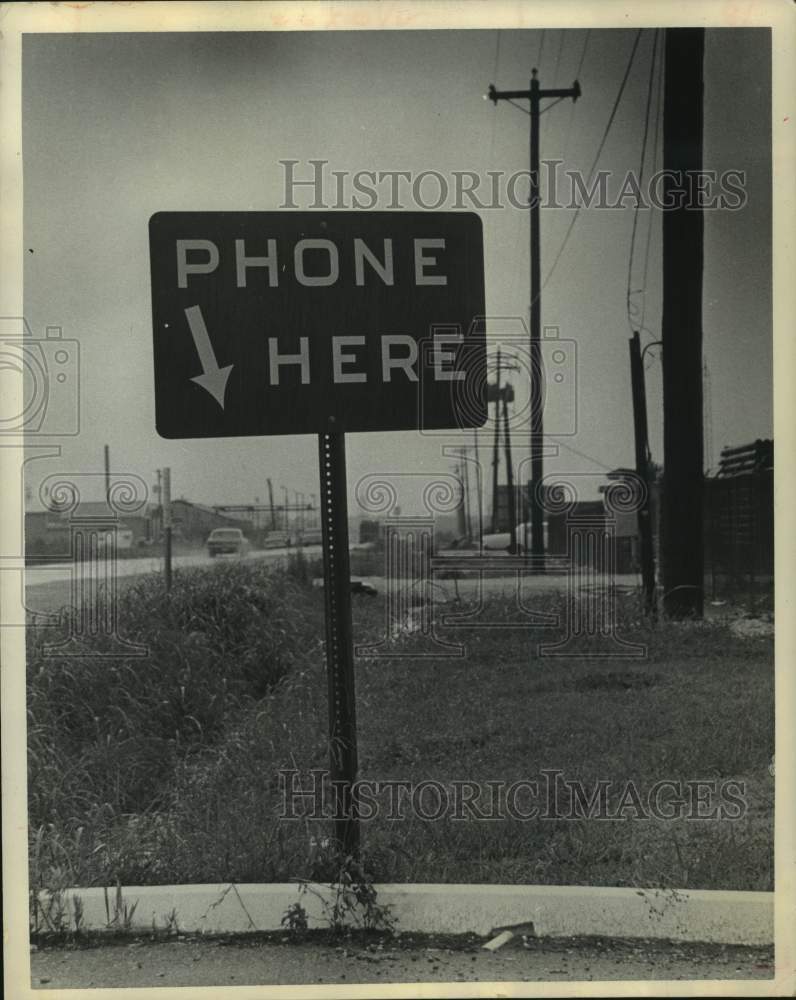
(194, 962)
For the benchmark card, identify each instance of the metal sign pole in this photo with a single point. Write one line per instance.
(166, 506)
(339, 641)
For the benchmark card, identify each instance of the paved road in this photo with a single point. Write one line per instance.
(48, 587)
(190, 962)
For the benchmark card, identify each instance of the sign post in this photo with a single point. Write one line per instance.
(270, 323)
(339, 639)
(166, 505)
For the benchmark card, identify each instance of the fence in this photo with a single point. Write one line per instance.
(739, 521)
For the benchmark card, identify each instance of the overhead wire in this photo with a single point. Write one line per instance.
(632, 310)
(494, 117)
(658, 115)
(603, 140)
(582, 454)
(577, 77)
(543, 125)
(558, 57)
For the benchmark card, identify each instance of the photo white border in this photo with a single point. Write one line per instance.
(19, 18)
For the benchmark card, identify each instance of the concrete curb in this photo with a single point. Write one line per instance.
(714, 916)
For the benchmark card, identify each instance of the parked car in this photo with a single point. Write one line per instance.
(227, 541)
(277, 540)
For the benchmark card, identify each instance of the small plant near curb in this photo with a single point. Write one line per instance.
(170, 928)
(50, 914)
(351, 902)
(123, 913)
(294, 920)
(77, 914)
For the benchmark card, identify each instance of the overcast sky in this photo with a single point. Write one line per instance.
(118, 127)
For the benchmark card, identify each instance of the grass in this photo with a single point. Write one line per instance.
(166, 770)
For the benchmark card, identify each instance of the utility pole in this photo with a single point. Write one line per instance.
(535, 94)
(159, 512)
(271, 504)
(642, 468)
(467, 504)
(465, 509)
(479, 493)
(509, 473)
(284, 490)
(461, 510)
(496, 451)
(683, 229)
(107, 474)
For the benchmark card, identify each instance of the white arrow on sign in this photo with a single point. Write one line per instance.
(213, 378)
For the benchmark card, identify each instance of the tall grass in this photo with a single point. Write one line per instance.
(166, 769)
(107, 735)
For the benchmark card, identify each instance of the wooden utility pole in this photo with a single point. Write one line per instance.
(512, 499)
(642, 469)
(468, 521)
(496, 450)
(479, 490)
(682, 527)
(271, 504)
(107, 474)
(461, 510)
(535, 94)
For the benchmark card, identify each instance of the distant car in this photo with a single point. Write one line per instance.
(227, 541)
(277, 540)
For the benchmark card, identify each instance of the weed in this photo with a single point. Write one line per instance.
(294, 920)
(123, 913)
(351, 900)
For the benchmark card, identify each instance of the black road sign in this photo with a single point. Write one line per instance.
(307, 322)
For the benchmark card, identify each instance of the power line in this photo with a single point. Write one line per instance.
(654, 164)
(577, 77)
(582, 454)
(583, 53)
(598, 154)
(642, 159)
(562, 33)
